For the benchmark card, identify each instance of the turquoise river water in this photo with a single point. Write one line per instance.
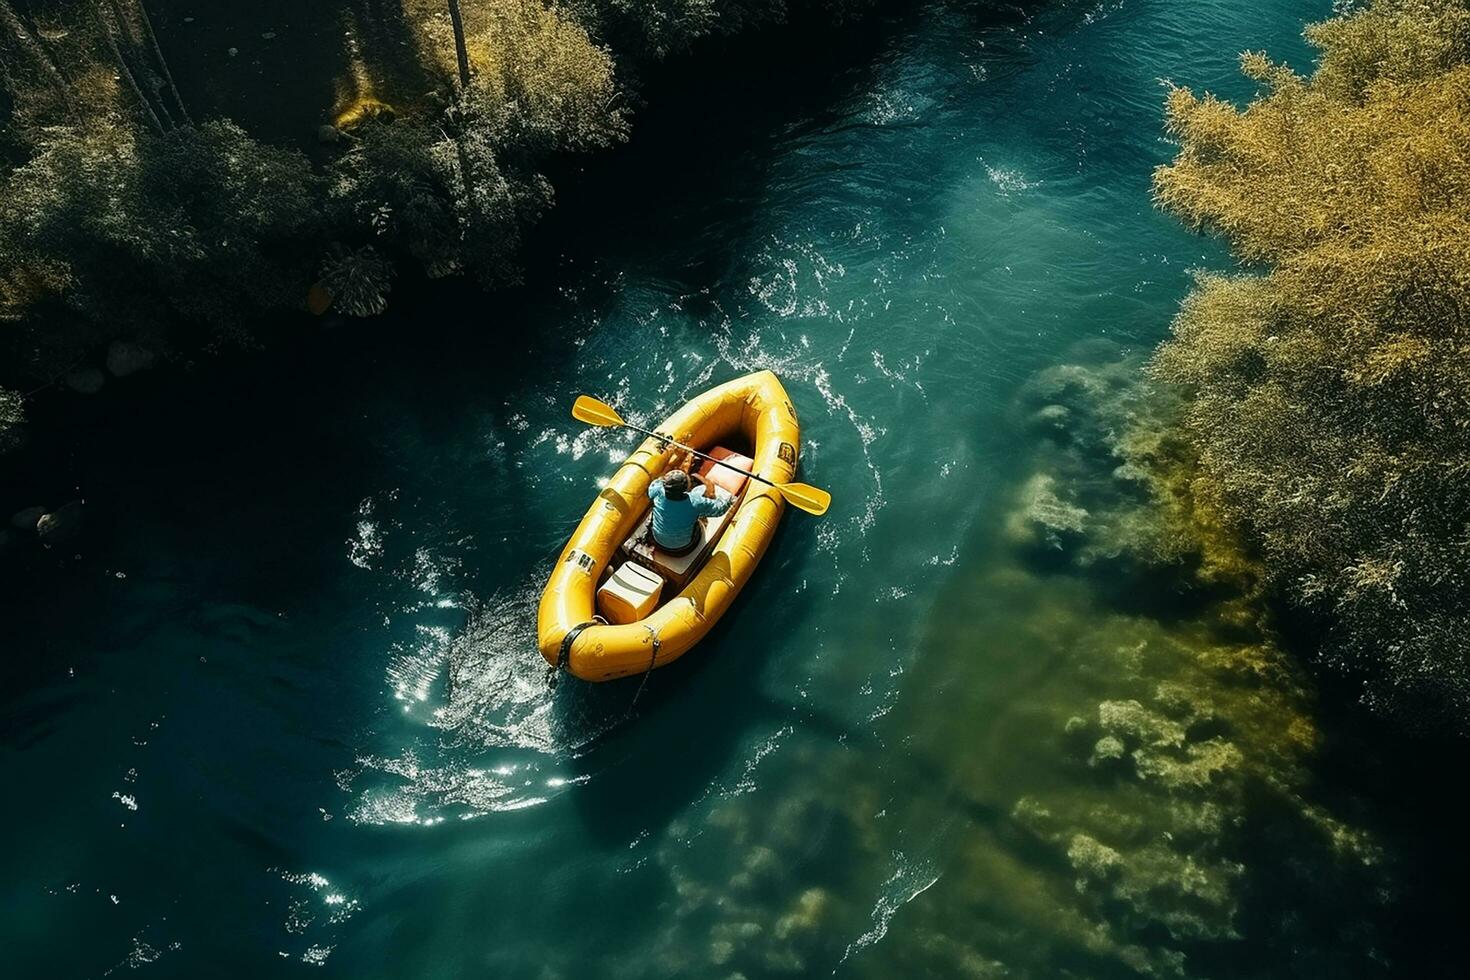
(282, 713)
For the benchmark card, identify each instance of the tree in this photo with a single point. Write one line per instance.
(122, 215)
(26, 39)
(125, 228)
(107, 17)
(456, 188)
(30, 72)
(1328, 398)
(147, 25)
(461, 54)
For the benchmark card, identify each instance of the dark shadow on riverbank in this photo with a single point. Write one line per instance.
(698, 157)
(282, 68)
(1406, 789)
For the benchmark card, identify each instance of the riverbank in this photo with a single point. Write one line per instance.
(76, 362)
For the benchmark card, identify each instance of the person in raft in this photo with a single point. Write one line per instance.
(676, 511)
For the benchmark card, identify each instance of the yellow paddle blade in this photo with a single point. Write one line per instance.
(811, 499)
(593, 412)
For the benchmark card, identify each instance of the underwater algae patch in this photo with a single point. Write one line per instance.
(1129, 750)
(752, 887)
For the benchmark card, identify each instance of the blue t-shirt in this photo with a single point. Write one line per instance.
(673, 520)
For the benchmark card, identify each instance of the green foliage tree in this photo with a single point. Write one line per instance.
(544, 87)
(444, 199)
(123, 228)
(35, 88)
(457, 187)
(120, 217)
(1328, 398)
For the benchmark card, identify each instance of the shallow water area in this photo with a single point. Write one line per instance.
(284, 713)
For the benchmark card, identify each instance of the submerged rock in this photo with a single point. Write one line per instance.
(1092, 860)
(1109, 748)
(806, 916)
(1052, 420)
(61, 525)
(1045, 518)
(1130, 719)
(26, 519)
(1201, 764)
(720, 952)
(1031, 814)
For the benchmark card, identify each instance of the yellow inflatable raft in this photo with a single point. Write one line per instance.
(610, 571)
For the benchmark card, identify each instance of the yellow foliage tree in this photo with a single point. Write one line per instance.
(1328, 394)
(533, 71)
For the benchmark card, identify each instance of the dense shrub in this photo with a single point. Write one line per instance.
(443, 198)
(122, 226)
(455, 187)
(356, 281)
(12, 414)
(1328, 397)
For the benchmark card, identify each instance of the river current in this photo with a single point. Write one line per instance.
(281, 712)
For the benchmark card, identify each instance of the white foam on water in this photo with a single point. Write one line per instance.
(948, 561)
(902, 375)
(142, 953)
(314, 910)
(414, 673)
(492, 736)
(795, 284)
(888, 106)
(1009, 180)
(365, 548)
(746, 783)
(907, 883)
(1102, 10)
(317, 955)
(577, 443)
(423, 792)
(796, 363)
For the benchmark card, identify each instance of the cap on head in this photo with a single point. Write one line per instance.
(676, 483)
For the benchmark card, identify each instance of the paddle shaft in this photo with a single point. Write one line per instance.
(690, 449)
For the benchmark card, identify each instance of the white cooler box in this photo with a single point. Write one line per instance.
(630, 593)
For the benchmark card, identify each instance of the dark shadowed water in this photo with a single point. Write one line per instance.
(282, 713)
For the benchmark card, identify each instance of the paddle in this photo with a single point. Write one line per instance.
(811, 499)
